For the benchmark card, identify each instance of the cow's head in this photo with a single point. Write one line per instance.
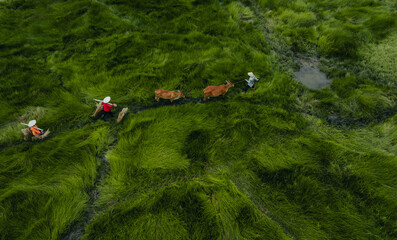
(181, 94)
(229, 84)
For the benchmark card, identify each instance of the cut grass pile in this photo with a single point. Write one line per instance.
(264, 165)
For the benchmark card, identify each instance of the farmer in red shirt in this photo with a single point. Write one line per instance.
(107, 107)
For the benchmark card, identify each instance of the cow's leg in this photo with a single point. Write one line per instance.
(171, 99)
(157, 98)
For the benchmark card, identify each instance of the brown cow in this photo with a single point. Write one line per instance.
(214, 91)
(171, 95)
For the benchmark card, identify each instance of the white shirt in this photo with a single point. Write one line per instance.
(251, 81)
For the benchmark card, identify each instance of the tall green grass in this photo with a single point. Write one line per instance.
(380, 60)
(44, 187)
(171, 169)
(64, 54)
(340, 27)
(301, 177)
(264, 165)
(323, 185)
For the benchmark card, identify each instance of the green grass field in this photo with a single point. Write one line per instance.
(283, 162)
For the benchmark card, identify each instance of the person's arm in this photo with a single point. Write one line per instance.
(246, 80)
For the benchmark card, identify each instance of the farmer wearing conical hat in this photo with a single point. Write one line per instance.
(34, 129)
(38, 133)
(250, 82)
(107, 107)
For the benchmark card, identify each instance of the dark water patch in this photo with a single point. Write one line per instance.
(312, 78)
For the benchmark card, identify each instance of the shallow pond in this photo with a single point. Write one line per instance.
(312, 77)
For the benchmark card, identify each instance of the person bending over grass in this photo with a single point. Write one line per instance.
(34, 129)
(107, 107)
(38, 133)
(250, 82)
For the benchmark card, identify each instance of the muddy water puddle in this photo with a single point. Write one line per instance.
(312, 77)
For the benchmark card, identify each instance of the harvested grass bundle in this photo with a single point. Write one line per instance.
(122, 114)
(26, 133)
(99, 108)
(40, 137)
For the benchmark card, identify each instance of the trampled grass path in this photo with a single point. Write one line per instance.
(77, 229)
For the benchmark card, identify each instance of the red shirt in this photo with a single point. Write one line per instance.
(107, 107)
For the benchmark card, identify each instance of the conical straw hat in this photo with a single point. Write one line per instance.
(32, 123)
(106, 99)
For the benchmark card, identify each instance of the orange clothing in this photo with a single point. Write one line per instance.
(34, 130)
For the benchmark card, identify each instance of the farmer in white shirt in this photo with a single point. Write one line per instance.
(250, 82)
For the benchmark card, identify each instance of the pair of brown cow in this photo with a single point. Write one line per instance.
(210, 91)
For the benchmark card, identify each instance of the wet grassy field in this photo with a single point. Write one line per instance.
(283, 162)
